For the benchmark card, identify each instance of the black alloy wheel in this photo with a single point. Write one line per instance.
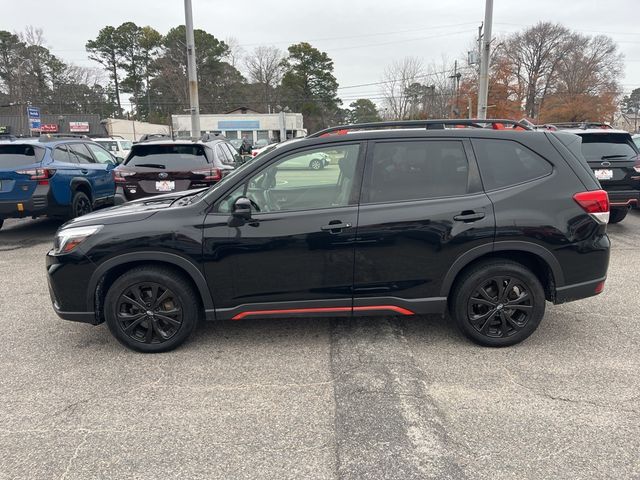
(497, 303)
(81, 205)
(316, 164)
(148, 312)
(499, 307)
(151, 309)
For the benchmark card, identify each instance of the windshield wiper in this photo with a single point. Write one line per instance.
(620, 155)
(150, 165)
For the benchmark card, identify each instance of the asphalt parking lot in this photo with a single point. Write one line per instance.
(319, 398)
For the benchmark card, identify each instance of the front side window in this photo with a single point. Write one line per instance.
(102, 156)
(81, 152)
(504, 163)
(413, 170)
(301, 181)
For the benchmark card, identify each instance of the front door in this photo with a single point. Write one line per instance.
(422, 207)
(295, 255)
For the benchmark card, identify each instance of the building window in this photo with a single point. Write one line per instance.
(231, 134)
(248, 134)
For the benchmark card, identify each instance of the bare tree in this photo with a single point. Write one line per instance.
(236, 53)
(399, 88)
(265, 67)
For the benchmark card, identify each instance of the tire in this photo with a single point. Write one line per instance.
(80, 205)
(484, 318)
(617, 214)
(316, 164)
(150, 330)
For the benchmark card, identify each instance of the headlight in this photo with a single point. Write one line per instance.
(68, 239)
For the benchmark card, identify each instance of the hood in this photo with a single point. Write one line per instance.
(129, 212)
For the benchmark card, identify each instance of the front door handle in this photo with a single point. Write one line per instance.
(469, 216)
(85, 171)
(335, 226)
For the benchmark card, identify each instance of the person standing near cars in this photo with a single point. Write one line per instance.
(245, 148)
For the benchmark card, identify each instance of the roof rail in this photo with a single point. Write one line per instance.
(582, 125)
(148, 137)
(57, 136)
(496, 124)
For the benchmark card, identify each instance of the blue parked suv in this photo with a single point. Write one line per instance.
(54, 176)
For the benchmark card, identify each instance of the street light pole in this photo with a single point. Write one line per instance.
(483, 88)
(191, 70)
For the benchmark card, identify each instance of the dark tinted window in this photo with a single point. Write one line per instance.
(81, 152)
(596, 146)
(12, 156)
(416, 170)
(60, 154)
(174, 157)
(504, 162)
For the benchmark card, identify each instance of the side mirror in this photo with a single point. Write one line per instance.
(241, 212)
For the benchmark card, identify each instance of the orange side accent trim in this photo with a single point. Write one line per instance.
(393, 308)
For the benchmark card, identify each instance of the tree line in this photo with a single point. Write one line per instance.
(545, 72)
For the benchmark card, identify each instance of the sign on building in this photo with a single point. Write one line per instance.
(49, 128)
(78, 127)
(5, 129)
(238, 124)
(33, 114)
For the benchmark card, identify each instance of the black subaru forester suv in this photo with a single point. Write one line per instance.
(485, 222)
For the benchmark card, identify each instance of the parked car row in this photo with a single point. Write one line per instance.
(68, 177)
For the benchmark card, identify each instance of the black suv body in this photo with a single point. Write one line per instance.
(482, 223)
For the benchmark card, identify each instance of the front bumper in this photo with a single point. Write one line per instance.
(67, 278)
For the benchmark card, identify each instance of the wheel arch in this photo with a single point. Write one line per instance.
(533, 256)
(81, 185)
(108, 271)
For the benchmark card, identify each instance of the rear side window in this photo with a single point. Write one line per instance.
(504, 163)
(223, 154)
(607, 146)
(174, 157)
(12, 156)
(416, 170)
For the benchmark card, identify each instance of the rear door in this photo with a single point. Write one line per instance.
(14, 157)
(100, 180)
(612, 157)
(105, 163)
(422, 206)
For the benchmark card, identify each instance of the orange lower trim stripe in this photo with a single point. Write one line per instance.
(372, 308)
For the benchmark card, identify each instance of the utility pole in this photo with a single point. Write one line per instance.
(456, 86)
(191, 70)
(483, 87)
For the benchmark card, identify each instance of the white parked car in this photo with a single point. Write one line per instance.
(314, 161)
(119, 147)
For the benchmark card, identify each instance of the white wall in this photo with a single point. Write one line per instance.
(133, 130)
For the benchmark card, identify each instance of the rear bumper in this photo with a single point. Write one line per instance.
(624, 198)
(578, 291)
(38, 204)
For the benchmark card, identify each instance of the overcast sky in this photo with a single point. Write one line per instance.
(361, 36)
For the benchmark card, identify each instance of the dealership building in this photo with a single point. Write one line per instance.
(244, 122)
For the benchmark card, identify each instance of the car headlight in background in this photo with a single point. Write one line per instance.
(66, 240)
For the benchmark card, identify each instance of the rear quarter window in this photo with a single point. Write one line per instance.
(504, 163)
(12, 156)
(170, 157)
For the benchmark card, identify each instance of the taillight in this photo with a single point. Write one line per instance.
(210, 174)
(42, 175)
(595, 203)
(120, 176)
(636, 165)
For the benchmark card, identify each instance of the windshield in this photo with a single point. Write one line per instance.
(608, 146)
(169, 157)
(110, 145)
(12, 156)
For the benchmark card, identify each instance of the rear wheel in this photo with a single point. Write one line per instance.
(617, 214)
(80, 205)
(151, 309)
(498, 303)
(316, 164)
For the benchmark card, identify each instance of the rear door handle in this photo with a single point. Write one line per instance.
(335, 226)
(84, 171)
(469, 216)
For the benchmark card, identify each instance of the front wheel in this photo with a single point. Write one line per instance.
(151, 309)
(498, 303)
(617, 214)
(316, 164)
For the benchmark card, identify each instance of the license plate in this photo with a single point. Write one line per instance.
(604, 174)
(165, 186)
